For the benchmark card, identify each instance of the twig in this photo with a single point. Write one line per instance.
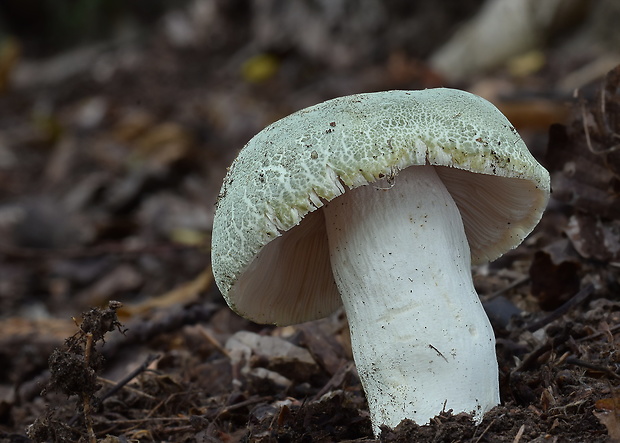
(241, 404)
(121, 383)
(142, 330)
(533, 356)
(487, 428)
(88, 419)
(512, 285)
(135, 391)
(548, 346)
(335, 380)
(519, 434)
(133, 374)
(574, 301)
(149, 420)
(207, 335)
(598, 334)
(584, 364)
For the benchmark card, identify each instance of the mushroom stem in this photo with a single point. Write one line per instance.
(421, 340)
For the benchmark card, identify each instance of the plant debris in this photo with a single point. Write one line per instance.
(74, 372)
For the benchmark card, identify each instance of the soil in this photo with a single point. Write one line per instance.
(111, 326)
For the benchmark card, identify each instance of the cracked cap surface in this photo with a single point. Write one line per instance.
(269, 247)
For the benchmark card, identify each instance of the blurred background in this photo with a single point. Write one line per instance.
(118, 119)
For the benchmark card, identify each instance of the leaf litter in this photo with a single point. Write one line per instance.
(107, 195)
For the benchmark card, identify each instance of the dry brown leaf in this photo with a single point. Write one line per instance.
(323, 347)
(593, 238)
(608, 413)
(584, 157)
(183, 294)
(273, 353)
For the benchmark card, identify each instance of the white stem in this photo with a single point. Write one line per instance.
(421, 340)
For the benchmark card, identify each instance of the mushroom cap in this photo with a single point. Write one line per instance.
(271, 273)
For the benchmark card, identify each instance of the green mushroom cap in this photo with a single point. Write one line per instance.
(271, 273)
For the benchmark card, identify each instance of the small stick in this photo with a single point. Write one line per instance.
(207, 335)
(133, 374)
(584, 364)
(519, 434)
(487, 428)
(598, 334)
(574, 301)
(121, 383)
(512, 285)
(88, 420)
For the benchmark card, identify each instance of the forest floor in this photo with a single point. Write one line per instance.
(111, 325)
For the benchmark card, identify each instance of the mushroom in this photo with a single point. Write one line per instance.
(380, 202)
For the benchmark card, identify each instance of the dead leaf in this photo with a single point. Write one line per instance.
(608, 413)
(274, 353)
(183, 294)
(584, 157)
(323, 347)
(594, 238)
(554, 278)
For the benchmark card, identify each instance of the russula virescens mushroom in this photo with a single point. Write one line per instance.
(380, 202)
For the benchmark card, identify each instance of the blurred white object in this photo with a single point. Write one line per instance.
(503, 29)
